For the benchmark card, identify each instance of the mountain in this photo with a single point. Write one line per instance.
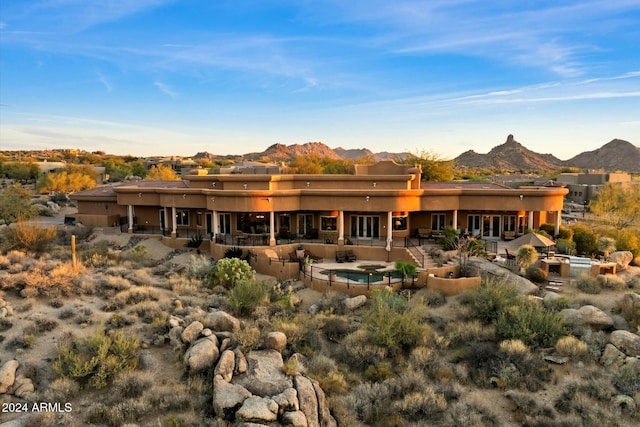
(510, 156)
(353, 154)
(617, 155)
(281, 152)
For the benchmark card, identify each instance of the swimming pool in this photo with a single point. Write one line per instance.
(364, 276)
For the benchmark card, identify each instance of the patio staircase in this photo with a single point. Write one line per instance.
(421, 257)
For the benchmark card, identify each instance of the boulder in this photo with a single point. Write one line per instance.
(355, 302)
(627, 342)
(630, 307)
(620, 322)
(622, 403)
(206, 332)
(307, 399)
(324, 416)
(287, 400)
(300, 361)
(225, 344)
(611, 356)
(294, 419)
(24, 388)
(227, 397)
(258, 409)
(489, 270)
(595, 318)
(241, 361)
(276, 341)
(571, 316)
(226, 365)
(8, 374)
(202, 354)
(175, 337)
(264, 376)
(191, 332)
(221, 321)
(622, 259)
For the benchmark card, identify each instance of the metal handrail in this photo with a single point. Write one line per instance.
(411, 247)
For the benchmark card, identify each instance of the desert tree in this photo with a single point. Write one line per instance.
(15, 204)
(434, 167)
(162, 173)
(527, 255)
(618, 205)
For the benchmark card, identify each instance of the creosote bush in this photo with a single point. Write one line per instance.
(487, 301)
(246, 295)
(29, 237)
(97, 359)
(532, 323)
(588, 284)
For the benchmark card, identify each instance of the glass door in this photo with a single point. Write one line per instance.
(365, 226)
(305, 225)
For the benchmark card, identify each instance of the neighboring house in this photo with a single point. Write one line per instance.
(52, 167)
(378, 203)
(247, 167)
(584, 187)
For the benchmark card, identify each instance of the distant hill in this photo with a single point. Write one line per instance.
(281, 152)
(510, 156)
(617, 155)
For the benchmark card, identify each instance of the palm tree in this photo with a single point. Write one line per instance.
(526, 256)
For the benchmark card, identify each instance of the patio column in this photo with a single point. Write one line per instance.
(174, 222)
(214, 231)
(530, 223)
(455, 219)
(556, 230)
(340, 227)
(130, 218)
(272, 232)
(166, 220)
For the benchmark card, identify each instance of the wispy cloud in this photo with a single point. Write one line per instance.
(165, 89)
(106, 83)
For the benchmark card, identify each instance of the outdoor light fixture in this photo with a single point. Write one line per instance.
(521, 197)
(245, 186)
(184, 196)
(213, 184)
(374, 184)
(367, 198)
(268, 199)
(139, 194)
(308, 184)
(213, 199)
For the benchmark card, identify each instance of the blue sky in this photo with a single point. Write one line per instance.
(157, 77)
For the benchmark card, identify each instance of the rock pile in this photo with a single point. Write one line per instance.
(250, 389)
(11, 383)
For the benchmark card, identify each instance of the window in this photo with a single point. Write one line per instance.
(199, 219)
(399, 223)
(328, 223)
(509, 222)
(473, 224)
(224, 223)
(437, 221)
(284, 222)
(182, 217)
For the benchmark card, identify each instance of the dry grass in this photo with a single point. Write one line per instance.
(571, 346)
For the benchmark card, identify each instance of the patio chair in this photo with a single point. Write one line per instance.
(350, 256)
(307, 253)
(340, 256)
(511, 258)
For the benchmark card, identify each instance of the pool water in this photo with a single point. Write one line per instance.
(364, 276)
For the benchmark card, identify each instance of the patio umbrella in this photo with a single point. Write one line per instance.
(534, 239)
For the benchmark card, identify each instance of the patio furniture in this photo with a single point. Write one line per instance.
(341, 256)
(307, 253)
(511, 258)
(350, 256)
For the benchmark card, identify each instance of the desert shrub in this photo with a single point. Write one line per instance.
(141, 277)
(24, 340)
(170, 397)
(420, 404)
(229, 271)
(627, 239)
(585, 239)
(119, 320)
(358, 351)
(136, 254)
(97, 359)
(248, 338)
(131, 296)
(29, 237)
(407, 269)
(587, 284)
(195, 241)
(471, 331)
(393, 323)
(44, 324)
(526, 256)
(486, 302)
(606, 245)
(566, 247)
(379, 372)
(627, 379)
(56, 303)
(66, 314)
(233, 253)
(246, 295)
(531, 323)
(536, 274)
(514, 348)
(149, 311)
(199, 266)
(336, 328)
(132, 384)
(432, 297)
(61, 390)
(557, 304)
(319, 365)
(571, 346)
(614, 282)
(117, 283)
(469, 415)
(5, 324)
